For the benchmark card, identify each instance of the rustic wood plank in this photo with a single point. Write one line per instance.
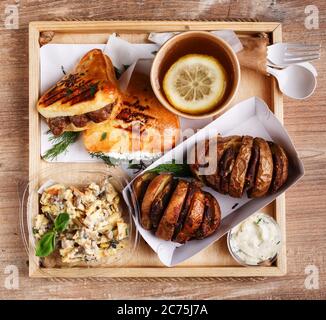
(305, 121)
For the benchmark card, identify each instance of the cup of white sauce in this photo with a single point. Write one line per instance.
(255, 241)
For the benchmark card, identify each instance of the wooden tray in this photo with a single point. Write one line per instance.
(214, 261)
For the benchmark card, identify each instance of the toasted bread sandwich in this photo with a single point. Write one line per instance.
(82, 98)
(139, 127)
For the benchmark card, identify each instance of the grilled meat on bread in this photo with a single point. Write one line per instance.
(139, 126)
(82, 98)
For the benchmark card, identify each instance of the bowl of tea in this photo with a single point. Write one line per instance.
(195, 75)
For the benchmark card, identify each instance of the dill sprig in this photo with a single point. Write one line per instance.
(137, 167)
(60, 144)
(100, 155)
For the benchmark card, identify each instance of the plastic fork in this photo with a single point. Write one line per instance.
(285, 54)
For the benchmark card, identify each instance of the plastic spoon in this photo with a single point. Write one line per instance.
(306, 65)
(295, 81)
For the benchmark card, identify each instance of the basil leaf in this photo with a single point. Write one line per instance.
(61, 222)
(46, 244)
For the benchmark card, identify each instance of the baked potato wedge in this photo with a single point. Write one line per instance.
(140, 185)
(193, 219)
(171, 214)
(198, 156)
(232, 141)
(154, 188)
(238, 174)
(264, 171)
(226, 165)
(211, 219)
(252, 167)
(160, 203)
(280, 166)
(193, 187)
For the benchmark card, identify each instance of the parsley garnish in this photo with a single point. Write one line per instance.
(103, 136)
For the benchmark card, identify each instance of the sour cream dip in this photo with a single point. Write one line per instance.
(256, 240)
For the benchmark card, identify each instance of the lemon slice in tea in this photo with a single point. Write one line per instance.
(195, 83)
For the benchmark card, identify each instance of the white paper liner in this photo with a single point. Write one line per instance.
(250, 117)
(123, 53)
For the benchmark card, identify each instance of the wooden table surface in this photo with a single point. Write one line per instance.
(305, 121)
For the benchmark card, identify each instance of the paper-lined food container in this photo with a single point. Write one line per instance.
(249, 117)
